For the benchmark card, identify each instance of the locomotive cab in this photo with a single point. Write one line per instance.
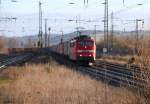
(86, 50)
(83, 49)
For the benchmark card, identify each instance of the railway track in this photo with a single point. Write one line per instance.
(14, 59)
(4, 57)
(133, 68)
(133, 72)
(113, 74)
(115, 77)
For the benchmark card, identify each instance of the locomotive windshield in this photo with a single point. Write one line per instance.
(86, 43)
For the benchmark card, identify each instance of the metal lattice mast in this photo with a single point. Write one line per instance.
(86, 2)
(106, 41)
(137, 34)
(46, 33)
(112, 31)
(49, 29)
(40, 43)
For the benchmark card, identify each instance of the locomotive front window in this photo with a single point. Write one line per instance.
(85, 43)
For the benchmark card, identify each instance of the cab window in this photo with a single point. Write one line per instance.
(86, 43)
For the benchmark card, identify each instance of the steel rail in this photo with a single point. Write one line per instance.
(119, 73)
(14, 60)
(131, 70)
(105, 72)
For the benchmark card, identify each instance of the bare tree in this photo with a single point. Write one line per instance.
(2, 43)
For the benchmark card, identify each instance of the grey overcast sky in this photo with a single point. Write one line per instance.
(59, 12)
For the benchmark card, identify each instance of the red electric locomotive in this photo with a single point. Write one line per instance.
(82, 49)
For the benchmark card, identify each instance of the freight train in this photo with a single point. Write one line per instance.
(23, 50)
(81, 49)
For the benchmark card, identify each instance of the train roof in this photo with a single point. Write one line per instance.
(82, 37)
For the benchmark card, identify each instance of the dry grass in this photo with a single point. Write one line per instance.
(143, 58)
(56, 84)
(116, 59)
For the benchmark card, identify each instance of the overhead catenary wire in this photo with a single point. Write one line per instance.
(126, 8)
(119, 11)
(131, 7)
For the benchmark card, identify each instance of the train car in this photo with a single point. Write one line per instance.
(23, 50)
(31, 50)
(16, 50)
(82, 49)
(66, 48)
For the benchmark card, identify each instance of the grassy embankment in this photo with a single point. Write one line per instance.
(56, 84)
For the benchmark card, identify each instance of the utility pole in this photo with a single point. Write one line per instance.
(95, 31)
(106, 44)
(77, 26)
(49, 29)
(136, 36)
(105, 49)
(107, 37)
(112, 32)
(86, 2)
(62, 36)
(40, 43)
(45, 33)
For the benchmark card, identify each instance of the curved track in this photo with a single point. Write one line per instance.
(114, 74)
(134, 75)
(14, 59)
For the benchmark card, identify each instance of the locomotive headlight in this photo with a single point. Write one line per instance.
(90, 55)
(80, 51)
(80, 55)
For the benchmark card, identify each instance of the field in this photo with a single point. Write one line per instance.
(52, 83)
